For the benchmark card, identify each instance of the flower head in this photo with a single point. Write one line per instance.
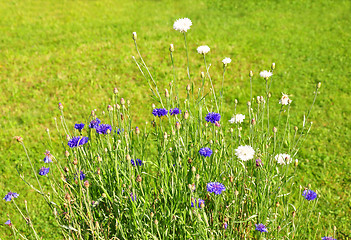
(94, 123)
(266, 74)
(199, 203)
(215, 187)
(136, 162)
(175, 111)
(203, 49)
(283, 159)
(47, 157)
(182, 25)
(206, 152)
(43, 171)
(8, 197)
(259, 162)
(8, 222)
(81, 175)
(245, 153)
(226, 61)
(79, 126)
(328, 238)
(159, 112)
(213, 117)
(261, 228)
(120, 130)
(238, 118)
(77, 141)
(309, 195)
(132, 197)
(104, 129)
(285, 100)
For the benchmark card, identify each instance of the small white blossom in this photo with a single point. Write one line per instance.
(203, 49)
(283, 158)
(245, 153)
(226, 61)
(285, 100)
(266, 74)
(182, 25)
(239, 118)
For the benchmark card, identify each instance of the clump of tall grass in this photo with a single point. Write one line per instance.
(190, 174)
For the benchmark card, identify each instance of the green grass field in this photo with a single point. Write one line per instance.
(76, 52)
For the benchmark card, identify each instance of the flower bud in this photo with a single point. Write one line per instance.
(253, 122)
(67, 197)
(188, 87)
(250, 74)
(115, 91)
(138, 178)
(60, 106)
(123, 101)
(66, 169)
(161, 190)
(236, 192)
(171, 48)
(153, 106)
(319, 85)
(103, 195)
(128, 158)
(18, 138)
(293, 214)
(99, 159)
(259, 162)
(137, 130)
(98, 171)
(202, 74)
(47, 130)
(193, 169)
(186, 115)
(166, 93)
(75, 161)
(275, 130)
(197, 177)
(296, 162)
(277, 204)
(156, 222)
(248, 103)
(273, 66)
(296, 128)
(165, 135)
(122, 117)
(177, 125)
(269, 95)
(135, 36)
(86, 184)
(66, 153)
(279, 228)
(151, 214)
(109, 108)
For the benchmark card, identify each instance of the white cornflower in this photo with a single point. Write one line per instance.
(226, 61)
(245, 153)
(239, 118)
(285, 100)
(283, 158)
(182, 25)
(265, 74)
(203, 49)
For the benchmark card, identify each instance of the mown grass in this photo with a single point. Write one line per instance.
(76, 52)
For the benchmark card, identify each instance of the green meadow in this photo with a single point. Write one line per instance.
(76, 52)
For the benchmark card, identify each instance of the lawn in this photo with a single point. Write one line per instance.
(76, 52)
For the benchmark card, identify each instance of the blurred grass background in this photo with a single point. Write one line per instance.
(76, 52)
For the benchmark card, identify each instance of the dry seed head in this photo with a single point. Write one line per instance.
(68, 197)
(190, 160)
(231, 179)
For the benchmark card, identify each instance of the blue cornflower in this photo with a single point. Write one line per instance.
(119, 131)
(206, 152)
(104, 129)
(132, 197)
(198, 203)
(82, 175)
(43, 171)
(47, 157)
(159, 112)
(79, 126)
(225, 225)
(77, 141)
(136, 162)
(94, 123)
(8, 222)
(309, 195)
(175, 111)
(215, 187)
(328, 238)
(213, 117)
(261, 228)
(10, 195)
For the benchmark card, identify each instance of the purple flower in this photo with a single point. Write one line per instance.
(120, 130)
(104, 129)
(309, 195)
(94, 123)
(225, 225)
(10, 195)
(215, 187)
(79, 126)
(47, 157)
(77, 141)
(43, 171)
(198, 203)
(206, 152)
(82, 175)
(136, 162)
(328, 238)
(261, 228)
(213, 117)
(259, 163)
(175, 111)
(132, 197)
(8, 222)
(159, 112)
